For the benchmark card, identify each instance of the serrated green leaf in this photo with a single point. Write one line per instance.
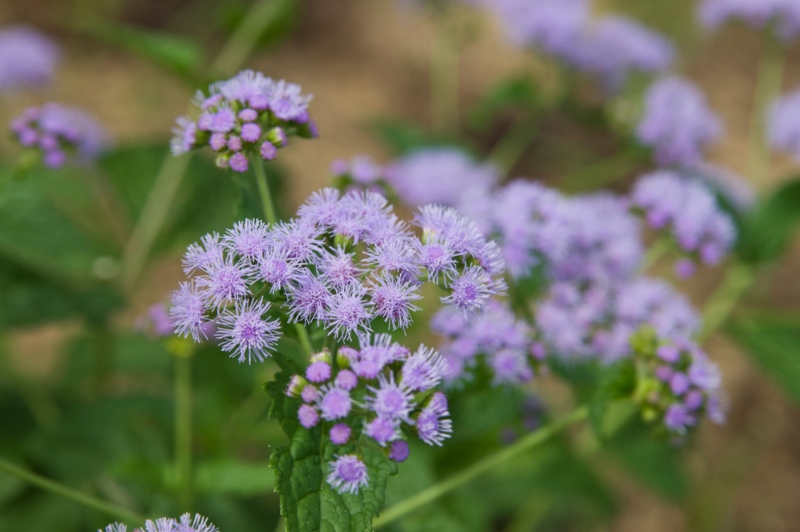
(775, 347)
(307, 501)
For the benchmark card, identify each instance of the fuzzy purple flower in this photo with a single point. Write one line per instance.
(196, 523)
(382, 430)
(433, 424)
(247, 115)
(443, 176)
(245, 332)
(390, 400)
(340, 434)
(27, 58)
(782, 16)
(677, 122)
(335, 403)
(348, 474)
(308, 416)
(59, 133)
(399, 451)
(188, 311)
(392, 299)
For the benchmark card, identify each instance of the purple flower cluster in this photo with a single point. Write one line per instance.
(446, 176)
(600, 319)
(247, 115)
(679, 385)
(506, 343)
(783, 16)
(27, 58)
(677, 122)
(784, 124)
(361, 173)
(610, 47)
(58, 132)
(686, 208)
(344, 262)
(376, 391)
(526, 219)
(186, 523)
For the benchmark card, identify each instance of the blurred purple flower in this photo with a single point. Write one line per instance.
(27, 58)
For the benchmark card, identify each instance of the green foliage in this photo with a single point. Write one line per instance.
(617, 381)
(307, 501)
(775, 347)
(515, 94)
(766, 232)
(178, 55)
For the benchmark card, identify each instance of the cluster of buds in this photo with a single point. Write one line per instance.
(381, 392)
(677, 384)
(55, 133)
(247, 115)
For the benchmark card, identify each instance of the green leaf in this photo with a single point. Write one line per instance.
(307, 501)
(618, 381)
(775, 346)
(656, 464)
(176, 54)
(767, 231)
(514, 93)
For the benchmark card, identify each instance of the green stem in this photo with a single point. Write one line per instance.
(770, 77)
(69, 493)
(305, 340)
(444, 78)
(487, 464)
(170, 175)
(512, 145)
(263, 189)
(737, 281)
(183, 429)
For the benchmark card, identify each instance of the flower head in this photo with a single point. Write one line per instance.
(59, 133)
(677, 122)
(27, 58)
(783, 131)
(348, 474)
(244, 331)
(781, 15)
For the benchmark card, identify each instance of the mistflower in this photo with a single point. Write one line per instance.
(59, 133)
(690, 213)
(114, 527)
(679, 385)
(603, 241)
(162, 524)
(433, 423)
(343, 263)
(497, 330)
(360, 173)
(781, 16)
(399, 451)
(198, 523)
(27, 58)
(156, 321)
(613, 47)
(340, 434)
(527, 220)
(348, 474)
(308, 416)
(334, 403)
(445, 176)
(247, 115)
(783, 131)
(677, 122)
(244, 331)
(382, 430)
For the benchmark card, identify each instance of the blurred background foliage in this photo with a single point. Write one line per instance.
(88, 401)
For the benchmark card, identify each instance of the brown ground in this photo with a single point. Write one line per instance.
(364, 60)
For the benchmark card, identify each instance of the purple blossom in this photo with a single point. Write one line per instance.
(782, 15)
(277, 269)
(308, 416)
(335, 403)
(346, 380)
(348, 474)
(423, 370)
(188, 311)
(382, 430)
(27, 58)
(340, 434)
(392, 299)
(470, 290)
(226, 281)
(318, 371)
(677, 122)
(337, 269)
(198, 523)
(57, 131)
(248, 239)
(310, 299)
(510, 366)
(390, 400)
(784, 131)
(297, 239)
(261, 101)
(115, 527)
(347, 312)
(439, 175)
(397, 256)
(678, 418)
(245, 332)
(399, 451)
(689, 210)
(433, 423)
(162, 524)
(200, 256)
(310, 394)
